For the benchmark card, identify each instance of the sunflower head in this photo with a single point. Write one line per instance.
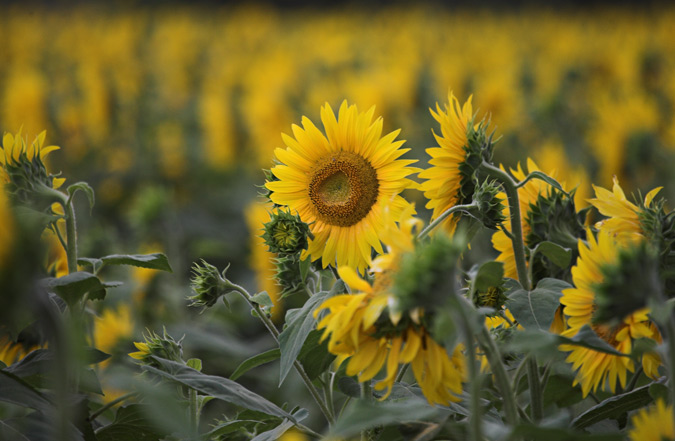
(158, 346)
(553, 218)
(285, 233)
(23, 168)
(208, 285)
(427, 274)
(627, 284)
(337, 182)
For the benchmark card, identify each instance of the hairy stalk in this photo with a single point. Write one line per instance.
(71, 236)
(429, 228)
(475, 429)
(296, 364)
(511, 190)
(194, 411)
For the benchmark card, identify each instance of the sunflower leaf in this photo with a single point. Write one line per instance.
(86, 188)
(536, 309)
(543, 177)
(156, 261)
(614, 407)
(299, 323)
(255, 361)
(559, 255)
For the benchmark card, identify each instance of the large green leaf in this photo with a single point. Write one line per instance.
(365, 415)
(255, 361)
(300, 322)
(274, 434)
(536, 309)
(559, 255)
(314, 356)
(614, 407)
(131, 424)
(541, 341)
(218, 387)
(543, 177)
(156, 261)
(73, 286)
(15, 390)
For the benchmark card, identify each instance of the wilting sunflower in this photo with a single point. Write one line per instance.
(654, 423)
(338, 183)
(597, 368)
(445, 178)
(623, 216)
(366, 329)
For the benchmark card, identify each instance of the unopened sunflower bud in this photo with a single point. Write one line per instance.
(489, 204)
(161, 347)
(627, 284)
(427, 275)
(478, 149)
(209, 285)
(493, 298)
(285, 233)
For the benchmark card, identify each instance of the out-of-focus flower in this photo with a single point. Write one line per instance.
(654, 423)
(337, 183)
(595, 369)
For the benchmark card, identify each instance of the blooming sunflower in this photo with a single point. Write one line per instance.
(363, 331)
(596, 368)
(653, 424)
(444, 180)
(623, 216)
(338, 183)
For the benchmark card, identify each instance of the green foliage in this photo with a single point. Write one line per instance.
(536, 309)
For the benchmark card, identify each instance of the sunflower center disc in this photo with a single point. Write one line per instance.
(343, 188)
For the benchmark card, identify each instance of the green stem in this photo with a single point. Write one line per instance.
(194, 412)
(402, 372)
(501, 378)
(107, 406)
(475, 429)
(516, 226)
(670, 331)
(436, 222)
(296, 364)
(536, 396)
(366, 395)
(71, 237)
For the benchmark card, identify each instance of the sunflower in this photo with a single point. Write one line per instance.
(15, 150)
(367, 329)
(623, 216)
(338, 183)
(445, 178)
(655, 423)
(596, 368)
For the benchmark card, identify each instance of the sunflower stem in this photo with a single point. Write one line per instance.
(436, 222)
(71, 236)
(296, 364)
(536, 402)
(475, 429)
(194, 412)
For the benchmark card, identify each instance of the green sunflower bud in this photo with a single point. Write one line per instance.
(427, 275)
(478, 149)
(161, 347)
(489, 204)
(285, 233)
(553, 218)
(659, 228)
(209, 285)
(288, 274)
(493, 298)
(627, 285)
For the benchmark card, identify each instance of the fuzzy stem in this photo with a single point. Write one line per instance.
(71, 237)
(296, 364)
(194, 412)
(475, 429)
(436, 222)
(536, 396)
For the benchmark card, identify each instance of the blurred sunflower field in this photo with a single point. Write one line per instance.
(348, 181)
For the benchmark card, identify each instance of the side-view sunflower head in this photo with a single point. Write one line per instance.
(338, 181)
(22, 166)
(463, 145)
(597, 261)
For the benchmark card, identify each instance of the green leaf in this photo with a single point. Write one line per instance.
(195, 363)
(218, 387)
(255, 361)
(614, 407)
(542, 341)
(15, 390)
(536, 309)
(314, 356)
(94, 263)
(365, 415)
(262, 299)
(527, 431)
(349, 386)
(559, 255)
(9, 432)
(274, 434)
(74, 286)
(543, 177)
(83, 186)
(489, 274)
(658, 391)
(156, 261)
(227, 427)
(40, 361)
(300, 322)
(131, 423)
(304, 268)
